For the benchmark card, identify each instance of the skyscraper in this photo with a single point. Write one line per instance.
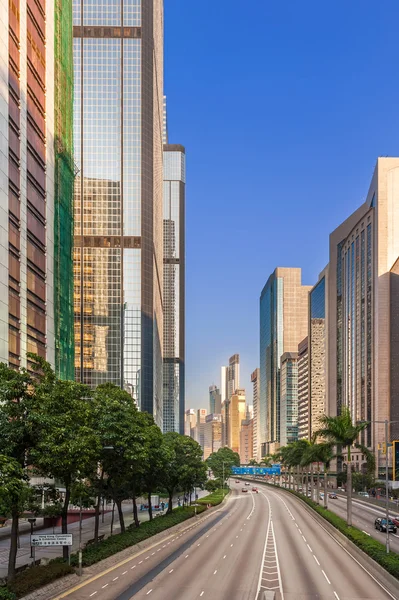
(255, 378)
(233, 375)
(303, 390)
(37, 173)
(317, 354)
(289, 398)
(283, 324)
(212, 434)
(118, 254)
(237, 412)
(190, 419)
(215, 403)
(174, 287)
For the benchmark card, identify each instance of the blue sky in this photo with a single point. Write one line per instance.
(283, 107)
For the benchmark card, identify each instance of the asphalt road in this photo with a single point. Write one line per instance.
(253, 544)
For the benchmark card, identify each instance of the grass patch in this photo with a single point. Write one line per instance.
(215, 498)
(34, 578)
(372, 547)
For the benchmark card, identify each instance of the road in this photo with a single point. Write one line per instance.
(253, 544)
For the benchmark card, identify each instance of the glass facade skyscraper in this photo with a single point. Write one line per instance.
(174, 287)
(289, 398)
(118, 253)
(317, 353)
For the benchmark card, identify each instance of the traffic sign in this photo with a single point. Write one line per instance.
(51, 539)
(273, 470)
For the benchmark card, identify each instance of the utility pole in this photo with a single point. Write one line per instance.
(80, 537)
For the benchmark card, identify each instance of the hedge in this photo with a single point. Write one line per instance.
(5, 594)
(215, 498)
(369, 545)
(35, 577)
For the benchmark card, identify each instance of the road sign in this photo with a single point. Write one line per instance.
(51, 539)
(273, 470)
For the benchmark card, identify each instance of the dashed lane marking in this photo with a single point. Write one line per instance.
(328, 581)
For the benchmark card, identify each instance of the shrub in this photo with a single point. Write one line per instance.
(215, 498)
(5, 594)
(134, 535)
(35, 577)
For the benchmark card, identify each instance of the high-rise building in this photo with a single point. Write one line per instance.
(246, 440)
(317, 352)
(174, 288)
(190, 419)
(225, 422)
(363, 309)
(237, 412)
(233, 375)
(215, 401)
(303, 390)
(198, 432)
(255, 384)
(223, 383)
(212, 434)
(289, 398)
(36, 302)
(283, 324)
(118, 254)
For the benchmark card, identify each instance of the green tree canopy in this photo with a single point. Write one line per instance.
(224, 456)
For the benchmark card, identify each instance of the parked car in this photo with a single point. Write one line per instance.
(381, 524)
(332, 495)
(364, 494)
(244, 490)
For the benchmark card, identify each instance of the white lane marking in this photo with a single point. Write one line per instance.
(253, 507)
(309, 547)
(93, 594)
(202, 593)
(133, 567)
(296, 525)
(316, 560)
(304, 539)
(236, 536)
(171, 571)
(146, 558)
(115, 578)
(328, 581)
(124, 572)
(106, 585)
(336, 595)
(153, 554)
(365, 532)
(198, 544)
(231, 545)
(225, 556)
(186, 556)
(140, 562)
(159, 550)
(149, 592)
(215, 572)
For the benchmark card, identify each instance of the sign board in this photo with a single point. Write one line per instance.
(273, 470)
(51, 539)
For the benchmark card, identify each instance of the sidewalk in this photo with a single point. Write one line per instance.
(23, 555)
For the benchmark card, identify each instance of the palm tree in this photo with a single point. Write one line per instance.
(341, 431)
(326, 455)
(309, 457)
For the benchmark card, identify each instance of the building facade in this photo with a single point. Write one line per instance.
(255, 379)
(289, 398)
(212, 434)
(174, 288)
(237, 413)
(233, 375)
(118, 252)
(318, 352)
(283, 324)
(246, 441)
(363, 315)
(215, 400)
(36, 183)
(190, 420)
(303, 390)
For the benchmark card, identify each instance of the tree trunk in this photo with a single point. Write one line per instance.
(318, 483)
(112, 517)
(170, 502)
(12, 557)
(311, 482)
(98, 505)
(64, 521)
(325, 486)
(120, 513)
(135, 514)
(349, 490)
(149, 506)
(307, 480)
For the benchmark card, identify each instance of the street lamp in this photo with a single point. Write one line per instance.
(386, 423)
(32, 521)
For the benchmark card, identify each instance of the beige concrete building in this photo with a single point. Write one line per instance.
(363, 311)
(233, 375)
(246, 441)
(303, 390)
(318, 311)
(190, 420)
(237, 410)
(283, 324)
(212, 434)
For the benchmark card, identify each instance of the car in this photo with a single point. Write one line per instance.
(396, 521)
(247, 483)
(381, 524)
(244, 490)
(237, 481)
(254, 489)
(333, 495)
(364, 494)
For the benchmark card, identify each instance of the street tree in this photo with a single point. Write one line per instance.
(221, 462)
(343, 433)
(155, 459)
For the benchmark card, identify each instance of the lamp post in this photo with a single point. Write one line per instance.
(80, 536)
(32, 521)
(386, 422)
